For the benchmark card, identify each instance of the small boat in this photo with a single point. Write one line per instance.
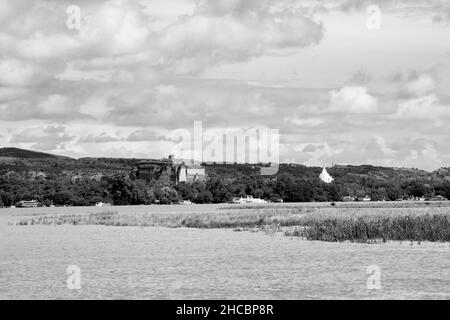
(102, 204)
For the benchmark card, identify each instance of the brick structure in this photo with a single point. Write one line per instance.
(168, 171)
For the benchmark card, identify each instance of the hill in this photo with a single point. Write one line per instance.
(26, 174)
(26, 154)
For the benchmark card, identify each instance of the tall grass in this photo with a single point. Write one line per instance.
(404, 228)
(322, 223)
(251, 219)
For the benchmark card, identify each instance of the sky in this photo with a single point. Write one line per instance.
(342, 84)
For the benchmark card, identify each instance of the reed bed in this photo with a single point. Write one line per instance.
(312, 223)
(215, 220)
(401, 228)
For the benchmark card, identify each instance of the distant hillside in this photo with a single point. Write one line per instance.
(25, 154)
(20, 160)
(51, 179)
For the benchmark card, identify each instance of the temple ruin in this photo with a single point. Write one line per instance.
(170, 171)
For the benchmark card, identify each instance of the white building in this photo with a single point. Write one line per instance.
(325, 176)
(191, 173)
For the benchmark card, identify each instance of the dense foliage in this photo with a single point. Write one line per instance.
(64, 181)
(121, 189)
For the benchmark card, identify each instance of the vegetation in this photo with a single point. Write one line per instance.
(312, 223)
(403, 228)
(21, 153)
(53, 180)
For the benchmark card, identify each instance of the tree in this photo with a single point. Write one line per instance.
(7, 198)
(122, 190)
(258, 193)
(143, 193)
(63, 198)
(275, 197)
(443, 189)
(218, 190)
(418, 189)
(185, 191)
(167, 195)
(204, 197)
(393, 192)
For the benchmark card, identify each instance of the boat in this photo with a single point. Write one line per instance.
(102, 204)
(28, 204)
(248, 199)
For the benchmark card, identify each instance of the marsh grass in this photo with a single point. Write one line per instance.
(402, 228)
(312, 223)
(251, 219)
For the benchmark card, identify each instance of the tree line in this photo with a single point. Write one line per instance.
(123, 189)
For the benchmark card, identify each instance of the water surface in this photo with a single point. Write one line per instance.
(162, 263)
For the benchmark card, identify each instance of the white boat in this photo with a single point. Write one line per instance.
(102, 204)
(248, 199)
(28, 204)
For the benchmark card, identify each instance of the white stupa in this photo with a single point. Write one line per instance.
(325, 176)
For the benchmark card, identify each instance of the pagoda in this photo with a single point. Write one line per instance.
(325, 176)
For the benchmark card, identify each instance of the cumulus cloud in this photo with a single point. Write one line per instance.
(136, 70)
(312, 148)
(421, 101)
(361, 77)
(46, 138)
(426, 107)
(420, 86)
(16, 72)
(145, 135)
(352, 100)
(315, 153)
(54, 105)
(101, 138)
(230, 31)
(10, 93)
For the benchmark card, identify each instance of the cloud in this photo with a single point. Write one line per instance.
(101, 138)
(145, 135)
(232, 31)
(312, 148)
(361, 77)
(136, 70)
(352, 100)
(420, 86)
(405, 152)
(39, 46)
(55, 104)
(43, 138)
(16, 72)
(304, 122)
(426, 107)
(10, 93)
(316, 153)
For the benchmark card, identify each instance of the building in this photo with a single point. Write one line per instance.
(325, 176)
(191, 173)
(169, 171)
(161, 171)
